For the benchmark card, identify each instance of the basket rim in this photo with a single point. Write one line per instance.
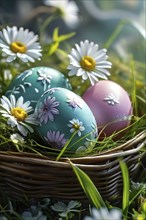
(120, 151)
(124, 149)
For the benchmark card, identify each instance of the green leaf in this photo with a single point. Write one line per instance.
(115, 34)
(88, 186)
(73, 204)
(53, 47)
(61, 52)
(141, 99)
(126, 188)
(66, 36)
(59, 207)
(63, 37)
(55, 34)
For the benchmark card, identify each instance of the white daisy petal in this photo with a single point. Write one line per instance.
(7, 51)
(99, 74)
(11, 58)
(19, 101)
(72, 130)
(92, 80)
(27, 127)
(22, 129)
(13, 33)
(13, 101)
(106, 72)
(6, 104)
(26, 105)
(73, 72)
(80, 72)
(85, 76)
(76, 54)
(6, 36)
(11, 121)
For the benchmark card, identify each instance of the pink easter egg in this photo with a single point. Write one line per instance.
(111, 106)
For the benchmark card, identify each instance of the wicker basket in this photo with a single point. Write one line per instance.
(27, 174)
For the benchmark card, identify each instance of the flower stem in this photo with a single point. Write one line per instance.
(46, 24)
(65, 146)
(115, 34)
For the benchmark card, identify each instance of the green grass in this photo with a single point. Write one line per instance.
(132, 79)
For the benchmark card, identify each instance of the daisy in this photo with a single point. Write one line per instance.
(56, 139)
(104, 214)
(18, 114)
(17, 138)
(76, 125)
(19, 43)
(48, 109)
(67, 9)
(89, 62)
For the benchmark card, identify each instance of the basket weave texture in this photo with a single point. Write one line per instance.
(27, 174)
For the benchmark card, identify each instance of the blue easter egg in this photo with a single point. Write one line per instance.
(63, 116)
(32, 83)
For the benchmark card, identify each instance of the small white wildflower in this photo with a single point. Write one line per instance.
(104, 214)
(19, 43)
(7, 74)
(18, 114)
(17, 138)
(68, 10)
(89, 62)
(76, 125)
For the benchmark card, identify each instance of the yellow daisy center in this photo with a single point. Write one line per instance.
(18, 47)
(19, 113)
(88, 63)
(76, 126)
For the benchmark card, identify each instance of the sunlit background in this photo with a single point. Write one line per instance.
(97, 19)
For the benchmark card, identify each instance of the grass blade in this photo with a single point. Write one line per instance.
(126, 188)
(88, 186)
(65, 146)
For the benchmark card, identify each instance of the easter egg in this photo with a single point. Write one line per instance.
(32, 83)
(64, 116)
(111, 106)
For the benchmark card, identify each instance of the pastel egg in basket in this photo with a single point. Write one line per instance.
(32, 83)
(64, 116)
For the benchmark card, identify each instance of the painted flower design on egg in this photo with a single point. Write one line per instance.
(74, 102)
(56, 139)
(77, 126)
(48, 109)
(51, 91)
(94, 131)
(44, 77)
(23, 86)
(26, 74)
(111, 99)
(123, 118)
